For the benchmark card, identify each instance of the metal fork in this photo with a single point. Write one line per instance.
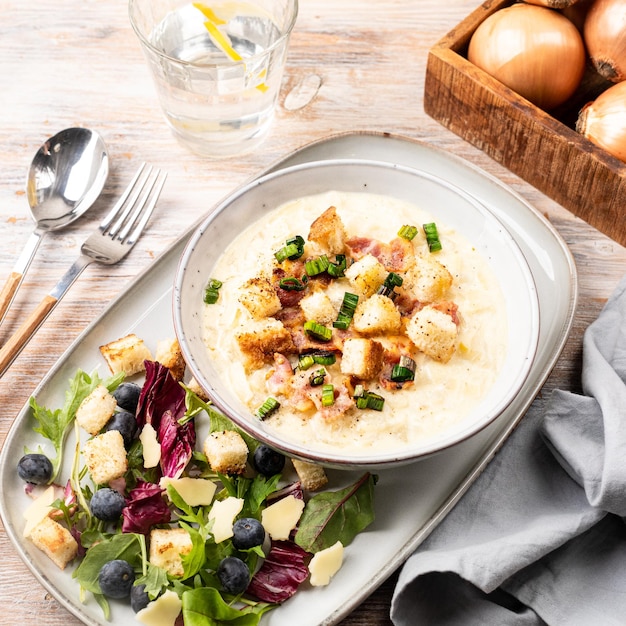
(110, 243)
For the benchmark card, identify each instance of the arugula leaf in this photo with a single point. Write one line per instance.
(127, 546)
(206, 607)
(337, 515)
(53, 425)
(155, 580)
(196, 558)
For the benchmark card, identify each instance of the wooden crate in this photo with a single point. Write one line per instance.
(543, 149)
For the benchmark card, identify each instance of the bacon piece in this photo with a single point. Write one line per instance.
(449, 307)
(396, 256)
(343, 403)
(280, 377)
(293, 320)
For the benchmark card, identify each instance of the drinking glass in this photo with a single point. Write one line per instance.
(217, 67)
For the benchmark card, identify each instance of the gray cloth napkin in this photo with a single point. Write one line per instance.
(539, 537)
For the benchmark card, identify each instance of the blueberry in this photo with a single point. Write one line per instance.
(35, 468)
(139, 599)
(127, 396)
(234, 575)
(107, 504)
(116, 578)
(126, 424)
(248, 533)
(268, 461)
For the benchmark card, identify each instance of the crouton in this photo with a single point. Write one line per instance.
(169, 354)
(434, 333)
(105, 457)
(56, 541)
(366, 275)
(261, 340)
(126, 354)
(167, 545)
(96, 410)
(328, 231)
(226, 452)
(259, 297)
(428, 280)
(194, 386)
(362, 358)
(319, 308)
(312, 477)
(377, 315)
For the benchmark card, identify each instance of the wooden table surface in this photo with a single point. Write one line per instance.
(77, 63)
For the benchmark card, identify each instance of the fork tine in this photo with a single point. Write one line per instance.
(158, 186)
(109, 217)
(144, 207)
(135, 188)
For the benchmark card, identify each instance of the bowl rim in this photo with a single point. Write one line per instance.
(337, 459)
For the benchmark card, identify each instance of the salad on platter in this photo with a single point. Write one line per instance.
(170, 508)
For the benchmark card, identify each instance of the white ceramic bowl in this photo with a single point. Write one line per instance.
(446, 202)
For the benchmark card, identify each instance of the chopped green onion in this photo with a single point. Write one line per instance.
(338, 268)
(403, 371)
(211, 292)
(407, 232)
(299, 243)
(317, 377)
(267, 408)
(346, 311)
(374, 401)
(291, 283)
(328, 395)
(286, 252)
(316, 266)
(323, 357)
(318, 331)
(368, 399)
(432, 237)
(393, 280)
(305, 361)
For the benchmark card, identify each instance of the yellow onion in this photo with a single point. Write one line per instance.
(603, 121)
(533, 50)
(605, 37)
(552, 4)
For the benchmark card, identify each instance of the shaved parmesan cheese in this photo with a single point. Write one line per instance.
(223, 514)
(194, 491)
(151, 446)
(325, 564)
(162, 612)
(280, 518)
(39, 509)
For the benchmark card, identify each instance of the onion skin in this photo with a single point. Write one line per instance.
(552, 4)
(603, 121)
(605, 37)
(535, 51)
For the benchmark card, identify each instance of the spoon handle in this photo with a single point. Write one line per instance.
(20, 338)
(17, 275)
(8, 292)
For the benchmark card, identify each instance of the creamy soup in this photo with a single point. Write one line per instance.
(441, 395)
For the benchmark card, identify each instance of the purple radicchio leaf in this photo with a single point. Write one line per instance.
(282, 572)
(162, 404)
(177, 444)
(160, 392)
(144, 508)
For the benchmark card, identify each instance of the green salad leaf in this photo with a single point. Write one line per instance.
(335, 516)
(206, 607)
(54, 425)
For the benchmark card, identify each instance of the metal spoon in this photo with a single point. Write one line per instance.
(65, 178)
